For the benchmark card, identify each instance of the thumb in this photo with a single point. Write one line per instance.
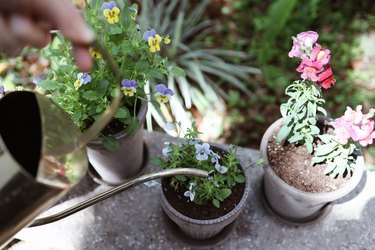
(65, 17)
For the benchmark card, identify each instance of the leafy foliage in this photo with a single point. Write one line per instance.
(223, 167)
(300, 113)
(340, 158)
(132, 53)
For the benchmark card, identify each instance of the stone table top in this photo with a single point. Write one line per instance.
(134, 220)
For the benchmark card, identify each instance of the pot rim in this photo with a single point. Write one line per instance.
(237, 208)
(329, 196)
(141, 116)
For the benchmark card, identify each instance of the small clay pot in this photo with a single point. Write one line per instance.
(205, 229)
(293, 205)
(115, 167)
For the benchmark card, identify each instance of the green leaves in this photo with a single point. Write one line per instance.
(48, 84)
(283, 133)
(338, 157)
(122, 113)
(90, 95)
(110, 143)
(300, 113)
(177, 71)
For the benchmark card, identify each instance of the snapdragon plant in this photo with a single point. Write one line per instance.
(300, 112)
(223, 167)
(337, 147)
(85, 95)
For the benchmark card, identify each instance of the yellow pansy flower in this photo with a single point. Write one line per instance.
(95, 53)
(112, 15)
(154, 43)
(167, 40)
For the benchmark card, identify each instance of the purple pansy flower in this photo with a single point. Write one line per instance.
(2, 90)
(166, 149)
(82, 79)
(108, 6)
(129, 84)
(37, 79)
(86, 78)
(129, 87)
(194, 141)
(149, 33)
(163, 94)
(214, 157)
(221, 169)
(191, 192)
(202, 151)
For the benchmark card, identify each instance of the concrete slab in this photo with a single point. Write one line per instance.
(134, 220)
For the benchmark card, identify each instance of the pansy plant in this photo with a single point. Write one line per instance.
(86, 95)
(223, 168)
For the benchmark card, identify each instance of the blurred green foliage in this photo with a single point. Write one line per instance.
(264, 30)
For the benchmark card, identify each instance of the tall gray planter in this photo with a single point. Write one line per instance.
(114, 167)
(291, 204)
(204, 229)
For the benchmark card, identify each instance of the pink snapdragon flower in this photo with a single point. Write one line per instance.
(356, 126)
(314, 63)
(325, 78)
(303, 44)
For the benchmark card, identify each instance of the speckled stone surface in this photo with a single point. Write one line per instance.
(135, 220)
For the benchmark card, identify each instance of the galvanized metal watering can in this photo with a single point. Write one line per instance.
(43, 155)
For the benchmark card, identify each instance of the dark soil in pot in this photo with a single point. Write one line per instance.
(292, 163)
(201, 212)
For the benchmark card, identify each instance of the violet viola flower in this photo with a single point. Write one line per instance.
(82, 79)
(2, 90)
(37, 79)
(221, 169)
(166, 149)
(129, 87)
(194, 141)
(214, 157)
(303, 44)
(191, 192)
(163, 94)
(148, 34)
(202, 151)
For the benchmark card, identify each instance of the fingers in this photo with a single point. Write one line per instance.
(28, 32)
(9, 44)
(82, 57)
(65, 17)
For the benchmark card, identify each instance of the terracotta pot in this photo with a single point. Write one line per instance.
(204, 229)
(114, 167)
(293, 205)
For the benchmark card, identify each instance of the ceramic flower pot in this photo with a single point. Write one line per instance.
(293, 205)
(204, 229)
(114, 167)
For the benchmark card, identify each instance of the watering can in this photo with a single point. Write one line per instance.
(43, 155)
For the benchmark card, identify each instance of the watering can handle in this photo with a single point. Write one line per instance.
(105, 195)
(99, 124)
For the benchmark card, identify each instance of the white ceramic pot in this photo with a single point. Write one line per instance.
(205, 229)
(292, 204)
(114, 167)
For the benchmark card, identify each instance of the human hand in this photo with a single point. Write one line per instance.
(28, 22)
